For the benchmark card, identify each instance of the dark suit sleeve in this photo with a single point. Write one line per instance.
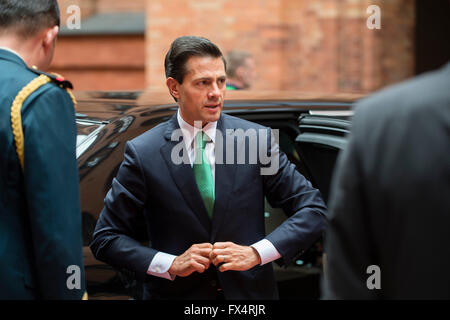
(289, 190)
(121, 227)
(52, 194)
(347, 246)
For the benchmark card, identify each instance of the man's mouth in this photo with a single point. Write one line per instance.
(212, 106)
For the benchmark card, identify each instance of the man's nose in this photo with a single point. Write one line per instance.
(214, 91)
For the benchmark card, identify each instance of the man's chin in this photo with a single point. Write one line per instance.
(212, 115)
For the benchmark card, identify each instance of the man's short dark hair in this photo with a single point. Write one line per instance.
(28, 17)
(185, 47)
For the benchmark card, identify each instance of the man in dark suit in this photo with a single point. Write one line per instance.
(40, 220)
(390, 206)
(200, 208)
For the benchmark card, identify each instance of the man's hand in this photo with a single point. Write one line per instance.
(234, 257)
(196, 258)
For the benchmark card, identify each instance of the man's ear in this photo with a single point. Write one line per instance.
(49, 37)
(173, 86)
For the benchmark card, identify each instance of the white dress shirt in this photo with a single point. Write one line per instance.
(161, 262)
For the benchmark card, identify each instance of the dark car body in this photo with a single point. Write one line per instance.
(312, 130)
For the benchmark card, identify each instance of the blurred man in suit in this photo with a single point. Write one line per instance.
(204, 217)
(40, 220)
(390, 201)
(241, 70)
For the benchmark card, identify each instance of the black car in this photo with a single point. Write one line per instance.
(312, 130)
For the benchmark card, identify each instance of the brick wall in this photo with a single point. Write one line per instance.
(302, 45)
(309, 45)
(121, 5)
(89, 7)
(101, 62)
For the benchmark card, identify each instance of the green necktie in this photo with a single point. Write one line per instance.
(203, 174)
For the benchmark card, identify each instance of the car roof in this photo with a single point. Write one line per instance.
(106, 105)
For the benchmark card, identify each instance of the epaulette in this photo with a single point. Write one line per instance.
(56, 78)
(24, 93)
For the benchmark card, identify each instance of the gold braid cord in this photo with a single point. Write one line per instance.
(68, 90)
(16, 116)
(72, 97)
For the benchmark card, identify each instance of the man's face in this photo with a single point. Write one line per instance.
(202, 92)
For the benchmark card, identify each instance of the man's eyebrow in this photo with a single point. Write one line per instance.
(210, 78)
(203, 78)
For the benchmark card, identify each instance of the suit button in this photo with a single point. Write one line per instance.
(213, 283)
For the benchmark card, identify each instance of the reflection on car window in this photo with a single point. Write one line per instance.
(86, 135)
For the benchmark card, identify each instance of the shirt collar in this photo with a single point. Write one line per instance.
(189, 132)
(12, 51)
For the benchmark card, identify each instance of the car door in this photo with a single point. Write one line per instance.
(300, 280)
(322, 136)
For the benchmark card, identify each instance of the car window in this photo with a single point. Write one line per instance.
(87, 132)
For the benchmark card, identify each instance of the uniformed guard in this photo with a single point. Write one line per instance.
(40, 220)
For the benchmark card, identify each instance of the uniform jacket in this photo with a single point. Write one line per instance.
(155, 201)
(40, 220)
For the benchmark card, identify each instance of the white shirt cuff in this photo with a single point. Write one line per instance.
(266, 251)
(160, 265)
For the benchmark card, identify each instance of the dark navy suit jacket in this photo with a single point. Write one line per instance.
(390, 204)
(155, 201)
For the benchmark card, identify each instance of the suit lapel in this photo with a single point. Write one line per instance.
(225, 175)
(183, 175)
